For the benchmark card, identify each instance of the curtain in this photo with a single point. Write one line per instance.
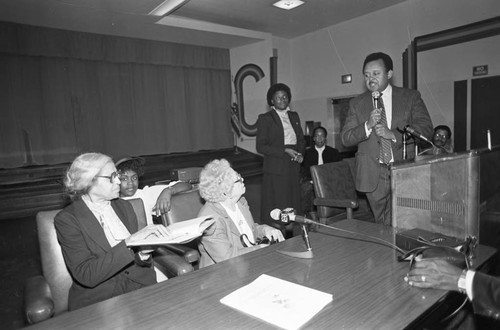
(106, 94)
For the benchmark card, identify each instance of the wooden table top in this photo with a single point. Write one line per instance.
(364, 277)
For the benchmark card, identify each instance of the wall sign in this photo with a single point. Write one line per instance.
(480, 70)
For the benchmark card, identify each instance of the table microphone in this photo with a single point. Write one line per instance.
(416, 133)
(288, 214)
(285, 217)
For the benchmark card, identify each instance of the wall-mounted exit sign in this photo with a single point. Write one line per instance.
(480, 70)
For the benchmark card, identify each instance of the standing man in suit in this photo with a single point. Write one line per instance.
(371, 124)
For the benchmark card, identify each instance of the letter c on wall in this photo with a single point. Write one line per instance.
(245, 71)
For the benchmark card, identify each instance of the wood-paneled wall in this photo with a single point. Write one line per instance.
(27, 190)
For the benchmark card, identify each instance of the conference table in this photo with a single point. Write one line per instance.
(362, 274)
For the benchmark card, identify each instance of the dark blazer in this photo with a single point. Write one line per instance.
(408, 108)
(271, 139)
(486, 295)
(330, 155)
(99, 271)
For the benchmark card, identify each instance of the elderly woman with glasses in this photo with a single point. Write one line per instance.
(95, 232)
(235, 232)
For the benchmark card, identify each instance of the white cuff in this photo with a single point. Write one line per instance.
(468, 282)
(367, 131)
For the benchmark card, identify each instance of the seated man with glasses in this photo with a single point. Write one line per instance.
(441, 138)
(156, 198)
(235, 231)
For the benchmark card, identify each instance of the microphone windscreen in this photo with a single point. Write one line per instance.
(275, 214)
(376, 94)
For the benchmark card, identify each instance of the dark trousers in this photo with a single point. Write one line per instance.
(380, 198)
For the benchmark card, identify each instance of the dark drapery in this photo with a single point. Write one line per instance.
(64, 92)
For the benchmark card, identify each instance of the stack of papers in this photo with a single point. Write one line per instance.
(281, 303)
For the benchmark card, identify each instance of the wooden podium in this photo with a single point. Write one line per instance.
(438, 194)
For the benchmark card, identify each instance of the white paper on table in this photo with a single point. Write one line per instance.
(279, 302)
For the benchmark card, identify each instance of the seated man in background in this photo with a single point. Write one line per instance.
(441, 138)
(318, 154)
(156, 198)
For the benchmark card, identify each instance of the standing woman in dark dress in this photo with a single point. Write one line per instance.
(281, 140)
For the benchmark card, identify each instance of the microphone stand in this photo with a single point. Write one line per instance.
(405, 144)
(308, 254)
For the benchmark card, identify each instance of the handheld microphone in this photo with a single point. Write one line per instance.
(376, 97)
(287, 215)
(416, 133)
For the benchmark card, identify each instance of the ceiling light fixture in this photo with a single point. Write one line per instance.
(167, 7)
(288, 4)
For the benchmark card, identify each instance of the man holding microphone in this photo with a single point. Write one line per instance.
(371, 124)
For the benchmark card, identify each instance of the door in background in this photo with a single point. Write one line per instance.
(485, 111)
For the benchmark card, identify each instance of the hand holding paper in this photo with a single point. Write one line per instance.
(148, 232)
(177, 233)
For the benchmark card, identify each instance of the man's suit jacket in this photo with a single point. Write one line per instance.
(99, 271)
(271, 140)
(486, 295)
(408, 108)
(224, 242)
(329, 155)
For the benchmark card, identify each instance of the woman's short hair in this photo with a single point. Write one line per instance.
(276, 88)
(82, 173)
(216, 181)
(320, 128)
(135, 164)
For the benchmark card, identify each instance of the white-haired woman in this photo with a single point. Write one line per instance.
(235, 231)
(94, 232)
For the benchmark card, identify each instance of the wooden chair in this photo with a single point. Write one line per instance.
(336, 196)
(46, 295)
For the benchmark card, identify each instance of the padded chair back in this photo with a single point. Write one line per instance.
(140, 212)
(333, 181)
(183, 206)
(53, 267)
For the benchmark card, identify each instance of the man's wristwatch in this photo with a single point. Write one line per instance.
(462, 286)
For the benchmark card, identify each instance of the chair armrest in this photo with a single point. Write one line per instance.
(188, 253)
(344, 203)
(38, 303)
(171, 264)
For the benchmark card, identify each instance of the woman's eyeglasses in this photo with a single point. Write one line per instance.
(112, 178)
(240, 179)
